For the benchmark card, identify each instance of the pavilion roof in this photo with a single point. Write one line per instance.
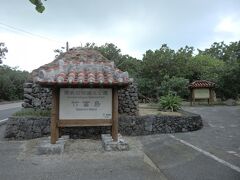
(80, 67)
(201, 84)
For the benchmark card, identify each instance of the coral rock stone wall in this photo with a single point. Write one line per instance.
(41, 98)
(34, 127)
(36, 97)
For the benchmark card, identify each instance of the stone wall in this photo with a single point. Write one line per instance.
(128, 100)
(27, 127)
(38, 97)
(153, 124)
(30, 127)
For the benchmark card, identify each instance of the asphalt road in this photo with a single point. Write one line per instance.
(7, 110)
(212, 153)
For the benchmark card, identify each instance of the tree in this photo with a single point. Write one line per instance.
(232, 52)
(155, 65)
(3, 51)
(182, 58)
(38, 5)
(228, 84)
(217, 50)
(175, 85)
(111, 52)
(11, 83)
(158, 63)
(226, 76)
(131, 65)
(204, 67)
(164, 69)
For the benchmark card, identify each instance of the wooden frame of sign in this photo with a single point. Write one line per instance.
(56, 123)
(194, 97)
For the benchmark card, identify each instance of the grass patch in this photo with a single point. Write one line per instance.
(148, 105)
(167, 113)
(30, 112)
(154, 111)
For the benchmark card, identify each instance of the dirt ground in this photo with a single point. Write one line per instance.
(151, 109)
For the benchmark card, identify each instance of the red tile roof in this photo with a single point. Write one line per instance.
(201, 84)
(81, 67)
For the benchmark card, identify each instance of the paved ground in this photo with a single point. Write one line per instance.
(83, 159)
(210, 153)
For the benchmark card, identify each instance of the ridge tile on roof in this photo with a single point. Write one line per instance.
(202, 84)
(81, 66)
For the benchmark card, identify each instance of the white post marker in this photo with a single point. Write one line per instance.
(208, 154)
(3, 121)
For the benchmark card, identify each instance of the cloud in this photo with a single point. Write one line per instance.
(134, 26)
(122, 40)
(27, 52)
(228, 29)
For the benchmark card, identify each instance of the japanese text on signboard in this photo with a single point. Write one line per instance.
(85, 103)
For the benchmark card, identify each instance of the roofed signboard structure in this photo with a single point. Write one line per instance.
(84, 89)
(202, 89)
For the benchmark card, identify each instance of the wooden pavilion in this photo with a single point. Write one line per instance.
(84, 90)
(202, 89)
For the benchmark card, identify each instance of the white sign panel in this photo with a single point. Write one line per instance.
(201, 93)
(85, 103)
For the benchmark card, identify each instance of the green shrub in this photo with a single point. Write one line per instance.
(175, 85)
(170, 102)
(29, 112)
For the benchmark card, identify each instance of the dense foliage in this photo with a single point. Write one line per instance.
(174, 85)
(160, 72)
(11, 83)
(166, 70)
(11, 79)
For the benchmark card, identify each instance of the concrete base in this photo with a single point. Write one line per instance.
(45, 146)
(110, 145)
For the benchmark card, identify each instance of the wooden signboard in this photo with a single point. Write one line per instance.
(73, 107)
(202, 93)
(87, 103)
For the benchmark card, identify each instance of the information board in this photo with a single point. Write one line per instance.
(201, 93)
(85, 103)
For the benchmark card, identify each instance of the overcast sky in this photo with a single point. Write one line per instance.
(133, 25)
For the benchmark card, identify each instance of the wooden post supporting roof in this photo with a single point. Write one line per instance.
(55, 116)
(115, 115)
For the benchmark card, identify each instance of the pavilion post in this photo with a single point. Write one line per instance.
(115, 115)
(54, 116)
